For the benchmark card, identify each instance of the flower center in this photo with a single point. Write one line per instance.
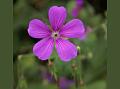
(55, 34)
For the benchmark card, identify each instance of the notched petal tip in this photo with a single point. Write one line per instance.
(57, 16)
(86, 33)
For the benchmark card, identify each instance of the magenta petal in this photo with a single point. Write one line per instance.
(43, 49)
(57, 16)
(37, 29)
(66, 50)
(80, 2)
(73, 29)
(83, 36)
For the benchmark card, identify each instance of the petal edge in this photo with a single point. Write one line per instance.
(66, 50)
(57, 16)
(43, 49)
(73, 29)
(37, 29)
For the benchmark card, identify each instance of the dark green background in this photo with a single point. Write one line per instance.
(6, 47)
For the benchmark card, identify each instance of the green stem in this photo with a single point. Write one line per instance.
(78, 75)
(22, 84)
(82, 84)
(52, 69)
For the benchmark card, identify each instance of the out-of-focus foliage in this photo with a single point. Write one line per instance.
(87, 71)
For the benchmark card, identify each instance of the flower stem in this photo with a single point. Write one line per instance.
(52, 69)
(22, 83)
(78, 75)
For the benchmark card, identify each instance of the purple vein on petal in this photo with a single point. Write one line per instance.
(57, 16)
(38, 29)
(66, 50)
(43, 49)
(73, 29)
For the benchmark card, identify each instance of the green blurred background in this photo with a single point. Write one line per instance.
(87, 71)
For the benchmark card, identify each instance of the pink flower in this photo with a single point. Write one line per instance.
(77, 8)
(65, 83)
(56, 34)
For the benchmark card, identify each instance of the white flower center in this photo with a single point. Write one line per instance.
(55, 34)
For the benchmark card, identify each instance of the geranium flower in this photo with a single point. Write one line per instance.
(65, 83)
(77, 8)
(57, 34)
